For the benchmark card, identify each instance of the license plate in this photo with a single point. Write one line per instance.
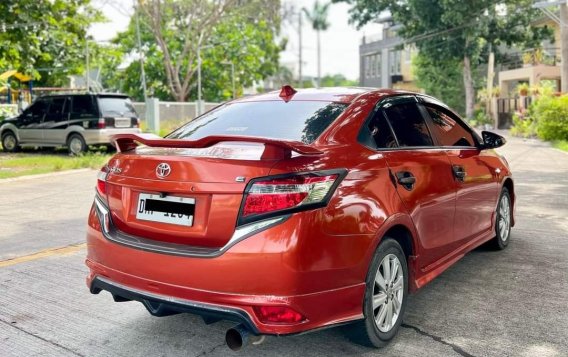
(122, 122)
(169, 209)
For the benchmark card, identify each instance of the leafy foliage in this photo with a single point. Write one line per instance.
(242, 36)
(45, 39)
(456, 30)
(547, 118)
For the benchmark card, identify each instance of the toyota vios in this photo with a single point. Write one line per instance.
(293, 211)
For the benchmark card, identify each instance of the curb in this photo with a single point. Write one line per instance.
(50, 174)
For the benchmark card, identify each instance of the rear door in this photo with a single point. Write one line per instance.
(117, 111)
(84, 112)
(56, 121)
(30, 121)
(474, 173)
(423, 176)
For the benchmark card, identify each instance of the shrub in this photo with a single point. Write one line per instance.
(551, 115)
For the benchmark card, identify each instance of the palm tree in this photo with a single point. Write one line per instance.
(318, 18)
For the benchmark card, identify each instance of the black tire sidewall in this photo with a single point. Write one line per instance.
(377, 337)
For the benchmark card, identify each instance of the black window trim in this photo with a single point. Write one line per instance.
(379, 109)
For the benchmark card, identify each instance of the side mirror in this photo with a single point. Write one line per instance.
(492, 140)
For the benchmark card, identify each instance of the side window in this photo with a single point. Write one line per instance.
(408, 125)
(448, 129)
(34, 114)
(83, 107)
(381, 132)
(57, 109)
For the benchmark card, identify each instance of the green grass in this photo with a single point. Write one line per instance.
(561, 144)
(23, 164)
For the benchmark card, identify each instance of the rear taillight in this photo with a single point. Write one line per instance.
(101, 124)
(101, 182)
(266, 196)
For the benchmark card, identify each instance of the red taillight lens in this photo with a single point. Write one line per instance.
(101, 123)
(101, 182)
(278, 314)
(277, 194)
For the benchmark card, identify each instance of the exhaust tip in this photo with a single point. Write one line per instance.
(239, 336)
(235, 339)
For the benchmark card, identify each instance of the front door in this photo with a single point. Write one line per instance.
(30, 121)
(423, 177)
(474, 173)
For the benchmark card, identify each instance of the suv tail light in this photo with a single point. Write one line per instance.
(101, 124)
(270, 196)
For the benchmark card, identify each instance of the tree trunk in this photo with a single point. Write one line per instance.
(468, 85)
(564, 47)
(319, 59)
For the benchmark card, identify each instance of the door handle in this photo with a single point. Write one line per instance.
(406, 179)
(459, 172)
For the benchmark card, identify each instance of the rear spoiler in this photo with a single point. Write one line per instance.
(273, 149)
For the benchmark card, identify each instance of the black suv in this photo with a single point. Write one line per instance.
(74, 120)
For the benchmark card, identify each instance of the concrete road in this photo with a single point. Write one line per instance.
(510, 303)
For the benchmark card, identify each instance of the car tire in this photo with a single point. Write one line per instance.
(503, 219)
(375, 330)
(10, 142)
(76, 144)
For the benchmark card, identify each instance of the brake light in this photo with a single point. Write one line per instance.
(276, 194)
(101, 182)
(101, 123)
(278, 314)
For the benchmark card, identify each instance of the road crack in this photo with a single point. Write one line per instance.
(456, 348)
(43, 339)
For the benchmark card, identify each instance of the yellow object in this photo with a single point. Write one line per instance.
(19, 76)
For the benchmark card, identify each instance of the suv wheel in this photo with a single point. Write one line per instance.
(385, 296)
(76, 144)
(9, 142)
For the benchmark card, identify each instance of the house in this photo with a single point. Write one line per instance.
(385, 61)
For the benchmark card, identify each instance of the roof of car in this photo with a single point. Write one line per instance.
(331, 94)
(118, 95)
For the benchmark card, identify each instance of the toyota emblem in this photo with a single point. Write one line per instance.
(163, 170)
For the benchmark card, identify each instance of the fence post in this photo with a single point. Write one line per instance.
(153, 114)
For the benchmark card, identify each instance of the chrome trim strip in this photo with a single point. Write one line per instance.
(113, 234)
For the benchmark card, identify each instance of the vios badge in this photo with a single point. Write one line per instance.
(163, 170)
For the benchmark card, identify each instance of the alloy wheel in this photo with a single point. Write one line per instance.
(388, 293)
(504, 218)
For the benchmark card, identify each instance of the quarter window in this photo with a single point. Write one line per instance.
(408, 125)
(447, 128)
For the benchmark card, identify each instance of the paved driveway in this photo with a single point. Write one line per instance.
(511, 303)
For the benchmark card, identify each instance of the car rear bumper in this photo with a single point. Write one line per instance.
(102, 136)
(264, 269)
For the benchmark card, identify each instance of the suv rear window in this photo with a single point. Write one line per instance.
(116, 106)
(300, 121)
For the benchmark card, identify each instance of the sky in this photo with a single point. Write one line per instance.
(339, 44)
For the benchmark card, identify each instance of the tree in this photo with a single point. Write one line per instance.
(453, 30)
(184, 28)
(243, 36)
(337, 80)
(45, 39)
(318, 19)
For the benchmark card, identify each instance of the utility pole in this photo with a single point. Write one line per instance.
(564, 46)
(87, 80)
(490, 74)
(141, 54)
(300, 48)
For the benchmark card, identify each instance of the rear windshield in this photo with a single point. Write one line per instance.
(116, 106)
(298, 120)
